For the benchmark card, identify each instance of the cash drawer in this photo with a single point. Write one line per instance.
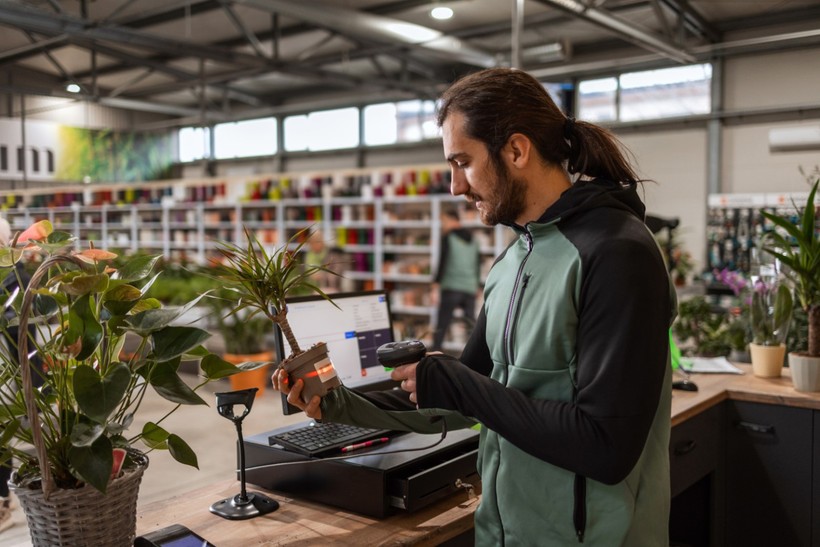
(415, 490)
(694, 448)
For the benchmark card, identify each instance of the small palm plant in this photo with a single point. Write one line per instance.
(799, 250)
(262, 281)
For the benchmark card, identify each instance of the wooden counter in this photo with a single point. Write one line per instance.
(304, 523)
(714, 388)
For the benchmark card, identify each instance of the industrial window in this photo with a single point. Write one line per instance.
(323, 130)
(245, 139)
(35, 161)
(21, 159)
(4, 158)
(405, 121)
(647, 95)
(194, 143)
(50, 160)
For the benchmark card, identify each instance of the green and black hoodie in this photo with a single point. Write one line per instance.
(568, 372)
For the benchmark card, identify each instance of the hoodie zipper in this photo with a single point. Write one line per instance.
(515, 303)
(579, 509)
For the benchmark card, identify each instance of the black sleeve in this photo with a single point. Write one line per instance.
(624, 315)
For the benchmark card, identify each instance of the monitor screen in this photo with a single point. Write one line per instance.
(353, 330)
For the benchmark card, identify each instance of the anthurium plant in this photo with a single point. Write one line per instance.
(83, 312)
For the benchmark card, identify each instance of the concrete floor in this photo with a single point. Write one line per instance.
(211, 436)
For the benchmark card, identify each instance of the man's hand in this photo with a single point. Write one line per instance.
(407, 375)
(280, 383)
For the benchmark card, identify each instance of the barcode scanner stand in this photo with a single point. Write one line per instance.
(243, 505)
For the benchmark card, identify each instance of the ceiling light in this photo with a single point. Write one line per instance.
(72, 88)
(441, 13)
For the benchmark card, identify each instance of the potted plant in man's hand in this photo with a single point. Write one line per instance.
(262, 282)
(799, 251)
(79, 487)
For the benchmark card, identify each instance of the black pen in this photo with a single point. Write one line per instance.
(365, 444)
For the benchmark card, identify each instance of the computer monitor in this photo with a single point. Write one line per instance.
(353, 329)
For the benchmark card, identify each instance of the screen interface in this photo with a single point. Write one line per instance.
(352, 332)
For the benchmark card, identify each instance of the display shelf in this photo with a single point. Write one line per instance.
(382, 224)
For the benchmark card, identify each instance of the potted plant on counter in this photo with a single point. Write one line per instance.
(247, 343)
(80, 485)
(771, 312)
(798, 248)
(261, 282)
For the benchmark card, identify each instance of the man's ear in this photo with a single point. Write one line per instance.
(518, 150)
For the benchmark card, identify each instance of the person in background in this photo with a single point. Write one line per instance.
(457, 280)
(568, 368)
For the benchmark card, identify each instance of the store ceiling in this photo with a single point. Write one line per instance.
(204, 61)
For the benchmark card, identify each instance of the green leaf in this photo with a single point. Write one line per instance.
(181, 451)
(93, 464)
(85, 432)
(79, 283)
(137, 268)
(215, 367)
(121, 299)
(9, 257)
(84, 325)
(170, 386)
(154, 436)
(98, 397)
(782, 307)
(8, 431)
(172, 341)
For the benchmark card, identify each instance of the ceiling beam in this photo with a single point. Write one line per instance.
(623, 28)
(376, 28)
(36, 48)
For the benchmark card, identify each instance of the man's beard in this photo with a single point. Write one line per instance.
(504, 200)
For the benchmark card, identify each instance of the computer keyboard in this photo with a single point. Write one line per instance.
(324, 438)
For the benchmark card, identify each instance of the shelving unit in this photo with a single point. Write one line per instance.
(735, 225)
(387, 237)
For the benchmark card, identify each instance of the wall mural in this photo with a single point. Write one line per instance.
(72, 154)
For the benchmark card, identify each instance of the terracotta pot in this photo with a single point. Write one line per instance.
(805, 372)
(315, 368)
(767, 361)
(259, 378)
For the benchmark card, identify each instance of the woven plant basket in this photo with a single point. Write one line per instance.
(78, 517)
(85, 517)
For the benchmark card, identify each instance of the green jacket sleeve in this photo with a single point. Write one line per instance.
(348, 407)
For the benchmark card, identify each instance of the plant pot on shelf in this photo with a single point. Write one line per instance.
(256, 377)
(767, 361)
(315, 368)
(84, 517)
(805, 372)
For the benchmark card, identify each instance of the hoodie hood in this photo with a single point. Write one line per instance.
(592, 194)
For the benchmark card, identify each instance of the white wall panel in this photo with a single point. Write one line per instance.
(749, 165)
(676, 161)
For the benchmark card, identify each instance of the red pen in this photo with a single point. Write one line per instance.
(366, 444)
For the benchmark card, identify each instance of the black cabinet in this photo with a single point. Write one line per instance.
(815, 534)
(695, 453)
(768, 472)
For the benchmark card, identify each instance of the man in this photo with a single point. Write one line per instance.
(458, 277)
(568, 367)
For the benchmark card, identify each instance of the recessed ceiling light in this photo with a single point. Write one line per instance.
(72, 88)
(441, 13)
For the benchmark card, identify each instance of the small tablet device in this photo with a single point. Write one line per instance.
(394, 354)
(175, 535)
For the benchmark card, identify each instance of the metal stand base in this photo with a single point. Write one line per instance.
(236, 508)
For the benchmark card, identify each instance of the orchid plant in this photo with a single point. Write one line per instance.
(83, 310)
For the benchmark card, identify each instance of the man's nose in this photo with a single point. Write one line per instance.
(458, 184)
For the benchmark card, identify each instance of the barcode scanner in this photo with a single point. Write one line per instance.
(394, 354)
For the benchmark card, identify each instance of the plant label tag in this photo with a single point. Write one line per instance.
(325, 369)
